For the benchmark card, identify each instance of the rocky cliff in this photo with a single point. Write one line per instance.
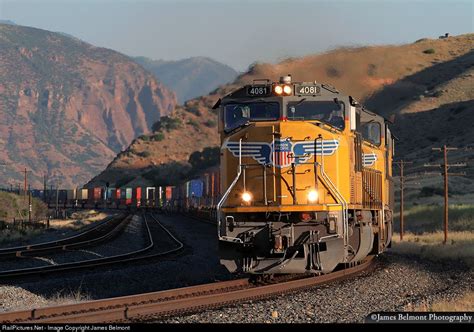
(67, 107)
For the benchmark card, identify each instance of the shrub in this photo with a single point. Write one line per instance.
(193, 123)
(166, 123)
(144, 154)
(210, 123)
(333, 72)
(438, 94)
(429, 51)
(166, 174)
(194, 110)
(371, 69)
(207, 158)
(158, 137)
(144, 138)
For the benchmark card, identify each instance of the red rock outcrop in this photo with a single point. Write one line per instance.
(67, 107)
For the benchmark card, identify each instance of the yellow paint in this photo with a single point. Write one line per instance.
(338, 167)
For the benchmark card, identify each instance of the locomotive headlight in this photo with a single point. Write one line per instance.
(278, 89)
(246, 197)
(287, 90)
(313, 196)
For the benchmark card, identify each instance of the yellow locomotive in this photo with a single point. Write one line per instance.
(306, 179)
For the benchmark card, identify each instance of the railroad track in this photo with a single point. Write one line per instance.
(121, 258)
(161, 304)
(94, 235)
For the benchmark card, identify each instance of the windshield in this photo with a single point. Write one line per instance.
(237, 115)
(329, 112)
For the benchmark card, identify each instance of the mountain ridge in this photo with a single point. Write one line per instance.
(67, 107)
(190, 77)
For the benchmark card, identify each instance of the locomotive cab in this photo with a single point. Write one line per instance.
(305, 177)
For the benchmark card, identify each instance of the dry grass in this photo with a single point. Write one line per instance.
(78, 220)
(69, 297)
(429, 218)
(460, 246)
(16, 235)
(465, 303)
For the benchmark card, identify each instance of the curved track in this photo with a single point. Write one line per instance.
(155, 305)
(127, 257)
(100, 232)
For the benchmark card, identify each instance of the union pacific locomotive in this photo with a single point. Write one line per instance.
(306, 179)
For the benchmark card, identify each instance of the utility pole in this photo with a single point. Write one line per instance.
(445, 166)
(25, 171)
(401, 164)
(57, 200)
(44, 187)
(30, 208)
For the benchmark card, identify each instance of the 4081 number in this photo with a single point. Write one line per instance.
(308, 90)
(258, 91)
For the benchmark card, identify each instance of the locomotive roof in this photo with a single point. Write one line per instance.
(323, 90)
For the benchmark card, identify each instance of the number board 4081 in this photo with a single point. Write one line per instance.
(258, 90)
(307, 90)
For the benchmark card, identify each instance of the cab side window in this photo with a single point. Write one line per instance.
(371, 131)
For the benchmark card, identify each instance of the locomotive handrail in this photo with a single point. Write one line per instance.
(224, 197)
(334, 189)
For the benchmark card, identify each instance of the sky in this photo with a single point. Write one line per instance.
(241, 32)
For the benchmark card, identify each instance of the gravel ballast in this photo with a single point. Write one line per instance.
(193, 266)
(131, 238)
(398, 283)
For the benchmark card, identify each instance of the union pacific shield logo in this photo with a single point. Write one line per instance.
(282, 152)
(282, 156)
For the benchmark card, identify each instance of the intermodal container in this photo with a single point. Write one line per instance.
(194, 188)
(128, 196)
(97, 192)
(168, 193)
(137, 195)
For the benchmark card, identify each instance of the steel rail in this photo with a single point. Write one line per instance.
(74, 265)
(121, 258)
(16, 251)
(122, 222)
(171, 302)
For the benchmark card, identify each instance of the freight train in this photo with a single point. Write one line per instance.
(306, 179)
(199, 195)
